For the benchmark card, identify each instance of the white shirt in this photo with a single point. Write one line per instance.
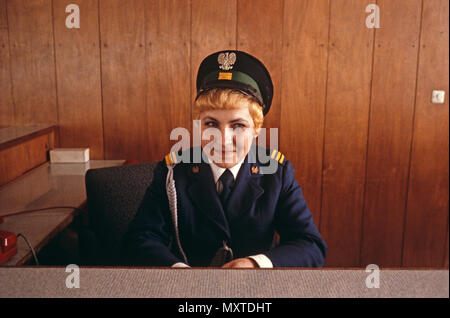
(262, 260)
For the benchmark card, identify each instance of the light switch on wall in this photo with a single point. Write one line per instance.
(437, 97)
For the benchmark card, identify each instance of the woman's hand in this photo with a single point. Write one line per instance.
(241, 263)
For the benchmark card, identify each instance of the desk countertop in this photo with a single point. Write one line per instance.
(221, 283)
(60, 184)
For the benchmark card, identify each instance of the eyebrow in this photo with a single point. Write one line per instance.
(231, 121)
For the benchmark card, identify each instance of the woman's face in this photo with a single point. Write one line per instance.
(227, 135)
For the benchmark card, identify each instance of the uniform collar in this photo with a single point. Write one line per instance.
(217, 171)
(202, 191)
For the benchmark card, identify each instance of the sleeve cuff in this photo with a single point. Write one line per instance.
(262, 260)
(180, 265)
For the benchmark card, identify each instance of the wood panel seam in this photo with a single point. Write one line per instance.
(190, 68)
(101, 77)
(325, 117)
(54, 61)
(147, 140)
(405, 214)
(236, 31)
(367, 145)
(280, 90)
(10, 64)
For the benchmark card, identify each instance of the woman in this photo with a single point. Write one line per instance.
(223, 205)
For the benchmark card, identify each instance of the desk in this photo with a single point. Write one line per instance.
(221, 283)
(51, 185)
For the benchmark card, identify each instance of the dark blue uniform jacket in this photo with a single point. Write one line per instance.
(259, 205)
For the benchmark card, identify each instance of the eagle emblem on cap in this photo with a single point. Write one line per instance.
(226, 60)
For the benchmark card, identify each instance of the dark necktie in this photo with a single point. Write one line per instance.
(227, 180)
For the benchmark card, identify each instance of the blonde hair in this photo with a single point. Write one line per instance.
(228, 99)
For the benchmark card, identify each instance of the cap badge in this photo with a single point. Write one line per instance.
(226, 60)
(225, 76)
(195, 169)
(254, 169)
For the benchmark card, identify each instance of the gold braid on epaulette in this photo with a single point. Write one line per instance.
(278, 156)
(171, 158)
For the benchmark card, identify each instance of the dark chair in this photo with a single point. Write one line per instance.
(113, 197)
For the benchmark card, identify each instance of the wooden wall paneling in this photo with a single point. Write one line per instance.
(303, 93)
(6, 102)
(346, 126)
(168, 72)
(32, 61)
(390, 131)
(213, 28)
(260, 33)
(78, 77)
(122, 33)
(427, 207)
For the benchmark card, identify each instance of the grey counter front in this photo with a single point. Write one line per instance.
(220, 283)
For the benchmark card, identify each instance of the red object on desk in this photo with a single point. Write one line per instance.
(130, 162)
(8, 246)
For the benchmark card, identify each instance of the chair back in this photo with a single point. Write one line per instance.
(113, 198)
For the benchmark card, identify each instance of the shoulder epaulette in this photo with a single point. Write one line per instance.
(171, 158)
(278, 156)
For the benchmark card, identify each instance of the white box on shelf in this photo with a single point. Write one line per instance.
(69, 155)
